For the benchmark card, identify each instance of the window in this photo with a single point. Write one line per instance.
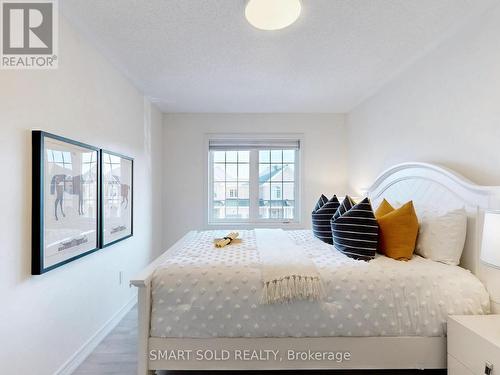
(253, 180)
(231, 177)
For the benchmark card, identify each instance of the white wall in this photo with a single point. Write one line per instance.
(445, 109)
(45, 319)
(184, 136)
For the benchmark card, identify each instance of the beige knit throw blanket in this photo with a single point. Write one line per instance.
(288, 274)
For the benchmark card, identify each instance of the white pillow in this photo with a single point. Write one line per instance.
(442, 237)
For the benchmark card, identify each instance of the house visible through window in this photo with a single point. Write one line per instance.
(253, 180)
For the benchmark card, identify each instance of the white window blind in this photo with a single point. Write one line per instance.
(252, 144)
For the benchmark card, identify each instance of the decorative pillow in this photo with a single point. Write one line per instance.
(321, 220)
(442, 238)
(355, 231)
(384, 208)
(398, 231)
(321, 201)
(345, 206)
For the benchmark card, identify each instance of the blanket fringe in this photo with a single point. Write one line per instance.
(291, 288)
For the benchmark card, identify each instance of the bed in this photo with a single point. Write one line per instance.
(199, 308)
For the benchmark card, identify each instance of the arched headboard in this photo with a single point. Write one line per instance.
(436, 188)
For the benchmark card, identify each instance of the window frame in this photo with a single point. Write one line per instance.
(253, 221)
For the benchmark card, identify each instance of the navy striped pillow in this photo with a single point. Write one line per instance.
(355, 232)
(321, 220)
(345, 206)
(321, 201)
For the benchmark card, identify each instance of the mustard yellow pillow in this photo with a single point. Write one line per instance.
(398, 230)
(384, 208)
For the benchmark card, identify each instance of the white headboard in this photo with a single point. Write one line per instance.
(432, 187)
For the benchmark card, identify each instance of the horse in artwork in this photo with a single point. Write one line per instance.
(61, 184)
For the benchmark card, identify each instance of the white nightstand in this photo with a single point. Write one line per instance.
(473, 344)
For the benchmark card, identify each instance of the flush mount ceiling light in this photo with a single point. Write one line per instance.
(272, 14)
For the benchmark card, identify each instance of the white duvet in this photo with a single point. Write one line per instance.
(201, 291)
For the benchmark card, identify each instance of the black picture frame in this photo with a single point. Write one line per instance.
(38, 227)
(103, 243)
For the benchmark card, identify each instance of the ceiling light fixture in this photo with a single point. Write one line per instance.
(272, 14)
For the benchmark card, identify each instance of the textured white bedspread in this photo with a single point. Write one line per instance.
(201, 291)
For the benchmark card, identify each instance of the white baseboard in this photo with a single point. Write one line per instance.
(81, 354)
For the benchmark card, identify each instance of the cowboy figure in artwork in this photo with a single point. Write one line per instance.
(61, 184)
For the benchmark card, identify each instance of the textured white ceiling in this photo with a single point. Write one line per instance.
(202, 55)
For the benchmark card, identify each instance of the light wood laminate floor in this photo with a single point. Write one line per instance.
(117, 355)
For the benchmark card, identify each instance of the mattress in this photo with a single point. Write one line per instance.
(200, 292)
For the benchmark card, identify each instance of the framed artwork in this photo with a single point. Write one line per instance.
(117, 192)
(65, 201)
